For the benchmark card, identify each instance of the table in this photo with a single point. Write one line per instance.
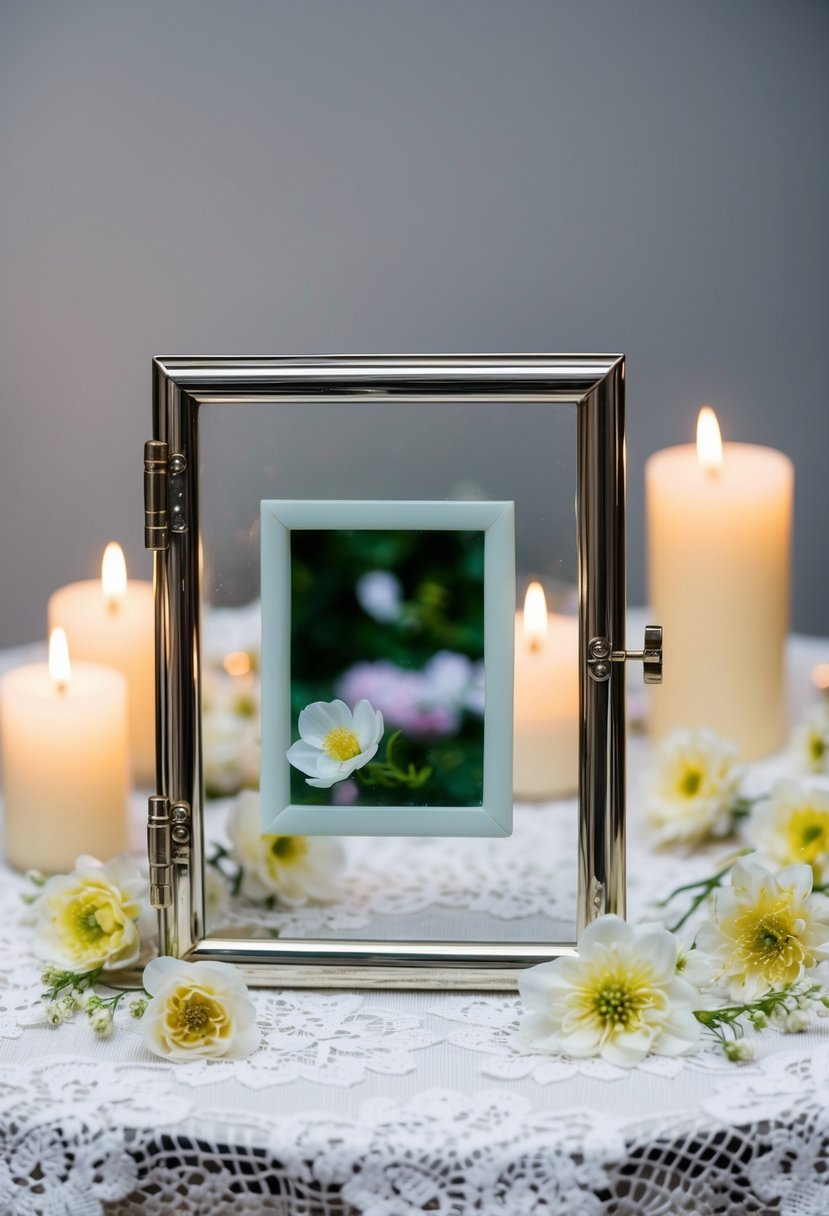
(402, 1103)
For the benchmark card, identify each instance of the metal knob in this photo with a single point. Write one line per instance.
(600, 655)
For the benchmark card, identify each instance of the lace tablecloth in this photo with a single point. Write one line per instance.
(402, 1103)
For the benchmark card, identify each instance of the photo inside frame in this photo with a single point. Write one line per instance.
(382, 886)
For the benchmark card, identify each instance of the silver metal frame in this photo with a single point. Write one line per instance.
(182, 388)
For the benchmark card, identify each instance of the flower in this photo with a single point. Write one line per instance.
(380, 595)
(295, 869)
(791, 827)
(427, 704)
(197, 1010)
(739, 1051)
(95, 916)
(765, 930)
(621, 998)
(811, 741)
(692, 787)
(334, 742)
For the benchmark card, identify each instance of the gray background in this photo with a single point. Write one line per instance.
(195, 176)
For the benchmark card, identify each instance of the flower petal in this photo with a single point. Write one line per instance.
(320, 717)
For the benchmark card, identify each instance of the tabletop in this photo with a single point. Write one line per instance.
(392, 1104)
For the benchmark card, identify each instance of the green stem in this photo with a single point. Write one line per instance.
(703, 886)
(390, 774)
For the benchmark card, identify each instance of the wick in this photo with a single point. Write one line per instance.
(61, 687)
(535, 645)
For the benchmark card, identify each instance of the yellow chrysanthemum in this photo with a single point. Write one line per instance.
(791, 827)
(766, 930)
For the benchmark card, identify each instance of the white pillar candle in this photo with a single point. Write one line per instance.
(719, 528)
(546, 728)
(111, 621)
(65, 761)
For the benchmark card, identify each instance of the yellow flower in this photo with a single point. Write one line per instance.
(295, 869)
(95, 916)
(621, 998)
(691, 787)
(791, 827)
(197, 1010)
(766, 930)
(811, 741)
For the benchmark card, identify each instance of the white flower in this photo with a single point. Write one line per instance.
(691, 787)
(796, 1021)
(334, 742)
(620, 999)
(100, 1022)
(295, 869)
(197, 1010)
(739, 1050)
(765, 930)
(380, 595)
(231, 750)
(95, 916)
(811, 741)
(791, 827)
(694, 965)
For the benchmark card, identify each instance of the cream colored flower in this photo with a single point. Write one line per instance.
(95, 916)
(294, 869)
(691, 787)
(621, 998)
(334, 742)
(197, 1010)
(765, 930)
(811, 741)
(791, 827)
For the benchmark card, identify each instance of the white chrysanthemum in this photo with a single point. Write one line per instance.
(811, 741)
(293, 869)
(95, 916)
(765, 930)
(791, 827)
(334, 742)
(621, 998)
(691, 787)
(197, 1010)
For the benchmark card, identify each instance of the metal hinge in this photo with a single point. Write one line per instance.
(168, 845)
(164, 494)
(600, 655)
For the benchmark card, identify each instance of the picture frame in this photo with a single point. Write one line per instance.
(188, 390)
(282, 813)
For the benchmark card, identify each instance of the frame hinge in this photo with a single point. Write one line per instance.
(168, 844)
(600, 655)
(156, 494)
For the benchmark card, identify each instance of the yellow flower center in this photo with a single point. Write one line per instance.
(808, 836)
(88, 919)
(817, 748)
(288, 849)
(194, 1016)
(690, 782)
(766, 938)
(341, 744)
(617, 1005)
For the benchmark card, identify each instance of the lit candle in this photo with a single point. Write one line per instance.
(719, 529)
(546, 734)
(111, 622)
(65, 761)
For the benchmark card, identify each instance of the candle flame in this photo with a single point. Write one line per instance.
(237, 663)
(709, 441)
(60, 669)
(114, 575)
(536, 622)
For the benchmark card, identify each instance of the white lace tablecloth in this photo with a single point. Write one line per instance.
(402, 1103)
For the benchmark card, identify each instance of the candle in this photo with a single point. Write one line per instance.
(65, 761)
(111, 622)
(546, 736)
(719, 527)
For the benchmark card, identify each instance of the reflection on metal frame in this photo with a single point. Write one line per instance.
(182, 387)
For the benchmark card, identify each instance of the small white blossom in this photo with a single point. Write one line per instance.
(796, 1022)
(765, 930)
(621, 998)
(100, 1022)
(691, 787)
(295, 870)
(791, 827)
(197, 1010)
(380, 595)
(334, 742)
(739, 1050)
(53, 1013)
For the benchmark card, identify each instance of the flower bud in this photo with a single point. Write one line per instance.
(796, 1022)
(53, 1012)
(100, 1021)
(758, 1019)
(138, 1007)
(738, 1050)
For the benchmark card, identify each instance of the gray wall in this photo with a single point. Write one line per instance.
(211, 176)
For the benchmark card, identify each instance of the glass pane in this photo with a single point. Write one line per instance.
(516, 889)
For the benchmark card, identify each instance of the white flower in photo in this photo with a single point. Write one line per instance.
(380, 595)
(691, 787)
(95, 916)
(295, 870)
(811, 741)
(197, 1011)
(334, 742)
(765, 930)
(791, 827)
(620, 999)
